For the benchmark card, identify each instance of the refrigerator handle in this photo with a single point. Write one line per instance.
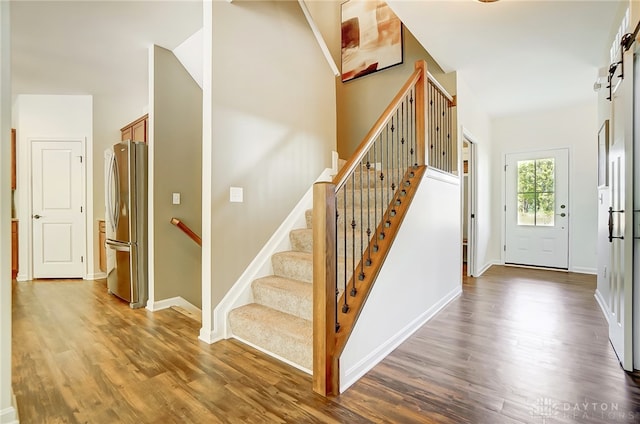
(118, 245)
(109, 196)
(112, 185)
(116, 203)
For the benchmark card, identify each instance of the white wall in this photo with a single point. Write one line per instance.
(51, 117)
(474, 121)
(8, 413)
(574, 126)
(419, 277)
(273, 127)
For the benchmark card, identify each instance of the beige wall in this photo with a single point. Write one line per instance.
(176, 149)
(361, 101)
(273, 126)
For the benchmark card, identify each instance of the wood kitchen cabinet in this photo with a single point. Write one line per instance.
(14, 249)
(136, 130)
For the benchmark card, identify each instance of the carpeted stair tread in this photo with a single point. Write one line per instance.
(285, 295)
(294, 265)
(283, 334)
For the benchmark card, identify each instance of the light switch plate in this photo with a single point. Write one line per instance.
(175, 198)
(236, 194)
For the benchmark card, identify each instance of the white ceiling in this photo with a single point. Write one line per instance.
(517, 55)
(514, 54)
(93, 47)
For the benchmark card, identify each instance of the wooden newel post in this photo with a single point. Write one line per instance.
(421, 114)
(325, 366)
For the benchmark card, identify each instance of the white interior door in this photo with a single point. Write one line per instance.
(537, 208)
(620, 220)
(57, 209)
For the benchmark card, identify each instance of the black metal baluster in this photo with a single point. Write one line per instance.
(404, 133)
(449, 139)
(443, 164)
(353, 232)
(382, 148)
(430, 125)
(375, 191)
(361, 253)
(396, 146)
(387, 223)
(337, 299)
(413, 125)
(345, 306)
(369, 202)
(392, 210)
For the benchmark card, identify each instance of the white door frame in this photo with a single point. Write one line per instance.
(26, 229)
(503, 237)
(472, 202)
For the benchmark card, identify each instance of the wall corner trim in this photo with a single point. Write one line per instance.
(10, 415)
(603, 304)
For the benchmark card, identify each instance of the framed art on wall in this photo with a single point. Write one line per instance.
(371, 38)
(603, 155)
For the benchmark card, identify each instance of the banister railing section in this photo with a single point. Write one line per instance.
(442, 144)
(188, 231)
(357, 215)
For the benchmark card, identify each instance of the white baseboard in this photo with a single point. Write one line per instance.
(603, 304)
(486, 267)
(584, 270)
(22, 277)
(278, 357)
(96, 276)
(210, 336)
(240, 293)
(10, 415)
(367, 363)
(173, 301)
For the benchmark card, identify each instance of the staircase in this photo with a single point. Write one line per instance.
(279, 321)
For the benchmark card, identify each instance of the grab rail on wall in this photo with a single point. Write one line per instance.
(188, 231)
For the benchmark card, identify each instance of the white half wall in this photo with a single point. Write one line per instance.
(421, 275)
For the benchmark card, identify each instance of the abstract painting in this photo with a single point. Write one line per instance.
(371, 38)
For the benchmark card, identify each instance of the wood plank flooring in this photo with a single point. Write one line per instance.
(519, 346)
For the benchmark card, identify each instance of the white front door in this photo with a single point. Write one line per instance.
(57, 209)
(620, 220)
(537, 208)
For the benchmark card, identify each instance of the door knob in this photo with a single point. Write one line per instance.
(36, 216)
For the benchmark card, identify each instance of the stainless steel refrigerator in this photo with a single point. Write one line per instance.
(126, 222)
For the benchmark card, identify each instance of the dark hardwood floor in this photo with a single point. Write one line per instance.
(519, 346)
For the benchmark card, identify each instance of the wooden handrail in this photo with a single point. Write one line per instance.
(349, 167)
(188, 231)
(332, 325)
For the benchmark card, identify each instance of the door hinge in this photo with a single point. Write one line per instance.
(505, 247)
(82, 259)
(80, 159)
(505, 208)
(505, 168)
(81, 210)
